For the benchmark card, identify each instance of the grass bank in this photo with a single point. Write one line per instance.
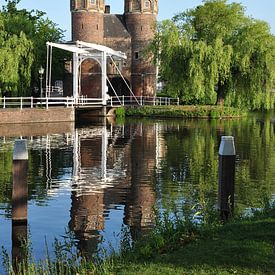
(246, 246)
(210, 111)
(242, 246)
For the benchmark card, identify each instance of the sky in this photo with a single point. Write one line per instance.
(59, 10)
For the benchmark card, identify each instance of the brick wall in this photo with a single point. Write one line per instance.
(36, 115)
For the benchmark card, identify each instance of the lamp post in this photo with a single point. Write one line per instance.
(41, 72)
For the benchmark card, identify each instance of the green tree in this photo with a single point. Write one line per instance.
(216, 54)
(15, 60)
(23, 37)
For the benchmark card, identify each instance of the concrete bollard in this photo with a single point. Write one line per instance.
(20, 186)
(227, 158)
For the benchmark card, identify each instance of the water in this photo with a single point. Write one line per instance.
(92, 181)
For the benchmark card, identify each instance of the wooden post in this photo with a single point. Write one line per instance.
(20, 186)
(19, 203)
(227, 157)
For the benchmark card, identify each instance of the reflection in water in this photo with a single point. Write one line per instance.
(141, 198)
(19, 242)
(108, 170)
(101, 177)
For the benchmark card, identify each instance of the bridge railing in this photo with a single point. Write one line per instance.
(142, 100)
(46, 102)
(32, 102)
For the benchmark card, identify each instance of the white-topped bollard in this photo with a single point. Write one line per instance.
(20, 186)
(227, 158)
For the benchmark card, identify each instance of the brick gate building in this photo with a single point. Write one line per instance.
(130, 33)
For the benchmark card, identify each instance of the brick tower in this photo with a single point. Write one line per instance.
(130, 32)
(140, 18)
(88, 26)
(88, 20)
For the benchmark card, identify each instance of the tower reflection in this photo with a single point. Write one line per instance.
(113, 166)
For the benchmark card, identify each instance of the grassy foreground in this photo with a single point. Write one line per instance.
(243, 246)
(171, 111)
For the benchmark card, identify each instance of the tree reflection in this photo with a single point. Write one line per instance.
(189, 170)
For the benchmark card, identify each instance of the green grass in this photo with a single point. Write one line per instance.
(241, 247)
(210, 111)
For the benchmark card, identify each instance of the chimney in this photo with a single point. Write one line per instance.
(108, 9)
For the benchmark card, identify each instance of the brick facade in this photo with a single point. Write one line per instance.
(130, 33)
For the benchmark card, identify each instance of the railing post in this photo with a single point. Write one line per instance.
(123, 100)
(47, 103)
(67, 104)
(31, 102)
(111, 101)
(178, 101)
(141, 100)
(4, 102)
(166, 101)
(21, 103)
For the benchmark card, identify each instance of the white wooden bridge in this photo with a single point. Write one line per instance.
(83, 102)
(82, 51)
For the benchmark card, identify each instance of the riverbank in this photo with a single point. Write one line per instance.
(245, 246)
(242, 246)
(194, 111)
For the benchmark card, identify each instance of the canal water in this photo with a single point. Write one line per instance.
(97, 181)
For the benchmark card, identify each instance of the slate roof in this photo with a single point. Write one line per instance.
(114, 26)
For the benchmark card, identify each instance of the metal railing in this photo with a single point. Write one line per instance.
(142, 100)
(46, 102)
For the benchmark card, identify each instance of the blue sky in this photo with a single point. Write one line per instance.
(58, 10)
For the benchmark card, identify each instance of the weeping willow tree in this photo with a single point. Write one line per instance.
(216, 54)
(23, 37)
(15, 61)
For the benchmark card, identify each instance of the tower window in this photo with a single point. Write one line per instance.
(93, 2)
(73, 4)
(147, 4)
(136, 55)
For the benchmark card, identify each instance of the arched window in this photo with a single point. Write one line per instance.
(73, 4)
(136, 5)
(92, 2)
(147, 4)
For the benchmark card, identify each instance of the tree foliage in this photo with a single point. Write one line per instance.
(216, 54)
(23, 37)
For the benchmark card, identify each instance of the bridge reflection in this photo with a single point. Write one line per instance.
(112, 166)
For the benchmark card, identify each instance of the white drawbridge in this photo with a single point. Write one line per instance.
(82, 51)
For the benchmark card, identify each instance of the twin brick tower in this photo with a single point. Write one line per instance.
(130, 33)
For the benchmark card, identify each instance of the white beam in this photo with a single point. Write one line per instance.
(101, 48)
(69, 48)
